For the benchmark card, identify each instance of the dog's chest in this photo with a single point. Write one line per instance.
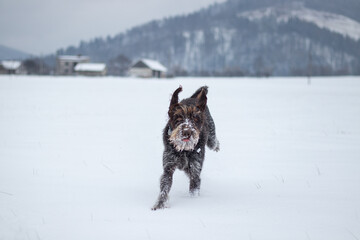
(184, 160)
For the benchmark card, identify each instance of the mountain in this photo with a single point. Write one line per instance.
(245, 37)
(7, 53)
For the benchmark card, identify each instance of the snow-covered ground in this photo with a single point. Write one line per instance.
(80, 158)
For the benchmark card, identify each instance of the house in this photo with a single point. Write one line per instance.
(65, 64)
(11, 67)
(90, 69)
(148, 68)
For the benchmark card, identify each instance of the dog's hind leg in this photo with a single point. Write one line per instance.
(213, 142)
(165, 186)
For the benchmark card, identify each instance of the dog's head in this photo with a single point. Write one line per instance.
(186, 120)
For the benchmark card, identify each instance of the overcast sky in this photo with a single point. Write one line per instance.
(43, 26)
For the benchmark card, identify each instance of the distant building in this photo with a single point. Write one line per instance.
(90, 69)
(147, 68)
(65, 64)
(11, 67)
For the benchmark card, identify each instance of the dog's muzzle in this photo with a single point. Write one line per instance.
(184, 137)
(186, 134)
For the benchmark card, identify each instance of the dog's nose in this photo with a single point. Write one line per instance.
(186, 132)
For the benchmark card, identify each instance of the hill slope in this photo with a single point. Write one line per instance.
(7, 53)
(261, 37)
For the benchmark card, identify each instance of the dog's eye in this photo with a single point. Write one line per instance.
(196, 119)
(179, 119)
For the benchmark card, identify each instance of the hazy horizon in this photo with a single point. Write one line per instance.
(41, 27)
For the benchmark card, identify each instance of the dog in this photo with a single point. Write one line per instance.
(190, 127)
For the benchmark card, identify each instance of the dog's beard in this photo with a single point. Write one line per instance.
(177, 139)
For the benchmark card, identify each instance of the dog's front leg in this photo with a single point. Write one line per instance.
(195, 167)
(165, 185)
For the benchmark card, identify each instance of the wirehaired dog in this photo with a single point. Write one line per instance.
(189, 129)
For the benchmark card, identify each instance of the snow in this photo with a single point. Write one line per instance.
(74, 58)
(10, 65)
(90, 67)
(154, 65)
(80, 158)
(333, 22)
(225, 37)
(193, 43)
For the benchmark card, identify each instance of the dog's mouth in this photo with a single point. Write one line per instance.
(184, 138)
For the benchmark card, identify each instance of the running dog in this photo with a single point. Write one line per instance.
(189, 129)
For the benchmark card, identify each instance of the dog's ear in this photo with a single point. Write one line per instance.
(175, 96)
(174, 99)
(201, 100)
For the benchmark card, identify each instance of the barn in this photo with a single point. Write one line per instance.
(147, 68)
(90, 69)
(11, 67)
(65, 64)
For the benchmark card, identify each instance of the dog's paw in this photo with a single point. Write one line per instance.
(158, 205)
(194, 193)
(217, 146)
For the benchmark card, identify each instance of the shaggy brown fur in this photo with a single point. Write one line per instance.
(189, 129)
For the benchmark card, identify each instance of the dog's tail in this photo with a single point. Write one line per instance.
(205, 88)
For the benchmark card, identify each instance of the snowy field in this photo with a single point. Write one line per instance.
(81, 158)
